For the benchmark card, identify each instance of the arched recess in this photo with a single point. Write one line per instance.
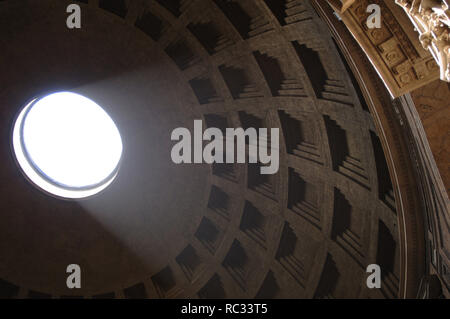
(395, 146)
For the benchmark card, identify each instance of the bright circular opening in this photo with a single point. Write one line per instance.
(67, 145)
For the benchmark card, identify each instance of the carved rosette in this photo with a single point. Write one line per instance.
(431, 19)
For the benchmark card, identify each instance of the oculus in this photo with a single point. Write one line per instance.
(67, 145)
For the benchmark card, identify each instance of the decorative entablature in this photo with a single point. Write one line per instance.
(431, 19)
(394, 48)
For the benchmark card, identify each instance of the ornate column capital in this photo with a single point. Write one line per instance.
(431, 18)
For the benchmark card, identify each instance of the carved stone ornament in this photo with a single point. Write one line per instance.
(394, 48)
(431, 19)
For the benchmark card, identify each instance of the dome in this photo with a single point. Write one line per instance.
(222, 230)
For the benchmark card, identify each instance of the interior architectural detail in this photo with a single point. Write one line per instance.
(363, 173)
(394, 49)
(342, 5)
(432, 20)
